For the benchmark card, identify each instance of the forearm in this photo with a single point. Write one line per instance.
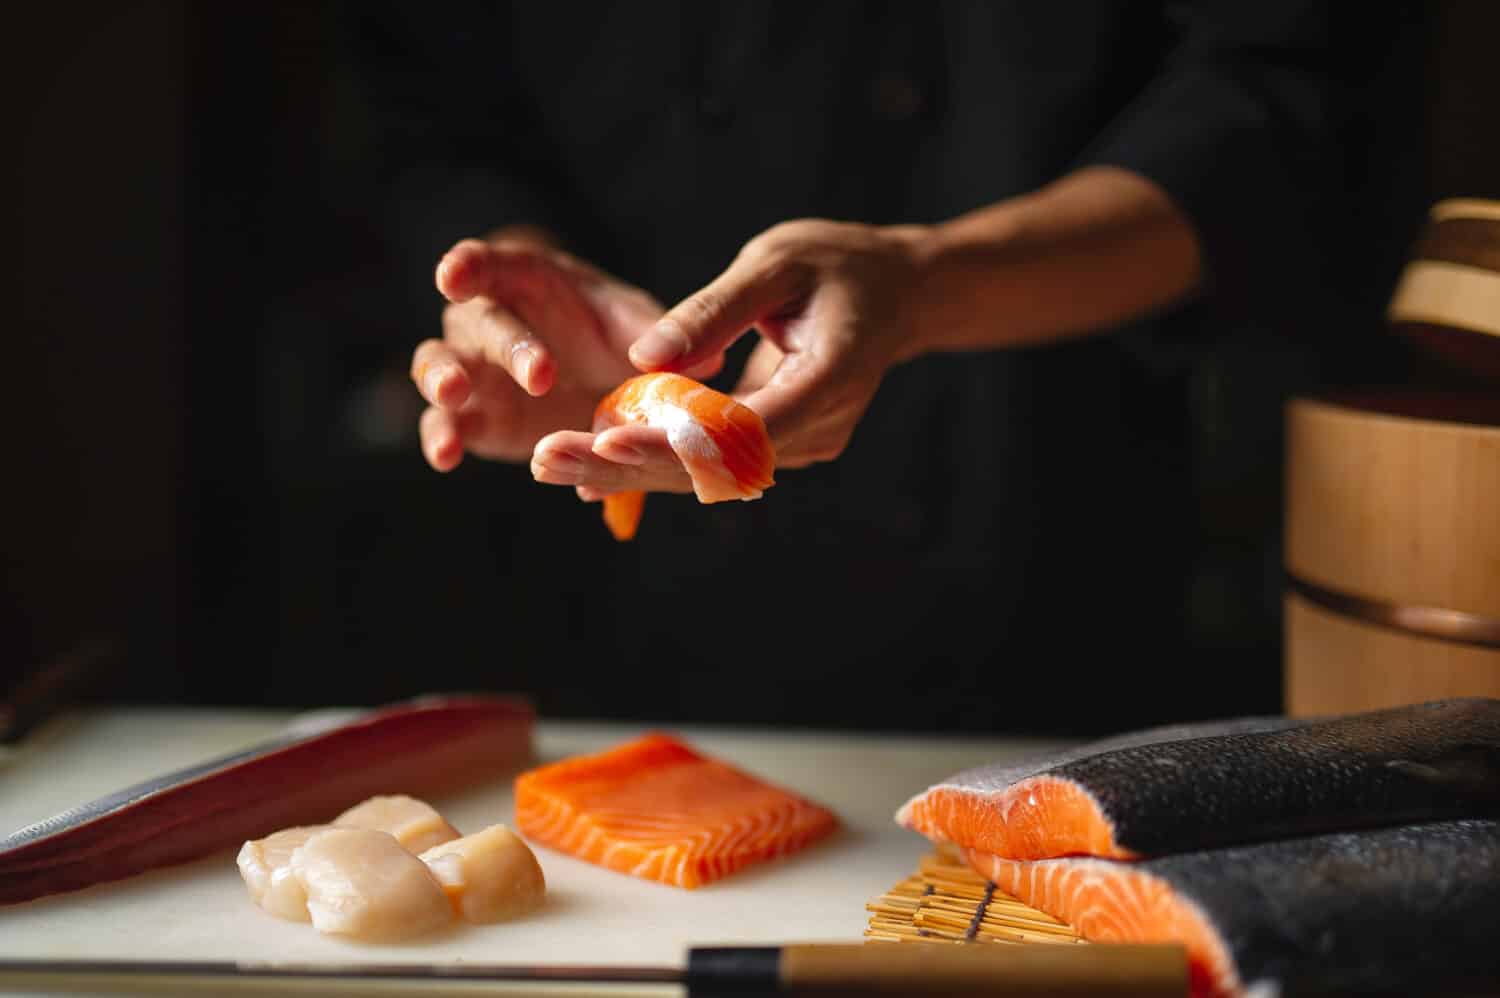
(1095, 248)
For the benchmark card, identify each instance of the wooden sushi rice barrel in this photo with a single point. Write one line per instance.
(1448, 298)
(1392, 543)
(1392, 552)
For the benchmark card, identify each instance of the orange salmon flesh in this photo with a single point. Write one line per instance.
(723, 444)
(1111, 902)
(658, 809)
(1036, 818)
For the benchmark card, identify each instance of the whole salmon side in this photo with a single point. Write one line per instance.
(1406, 910)
(1196, 787)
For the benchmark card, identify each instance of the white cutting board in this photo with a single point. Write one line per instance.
(200, 911)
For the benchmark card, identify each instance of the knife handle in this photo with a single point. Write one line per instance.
(929, 970)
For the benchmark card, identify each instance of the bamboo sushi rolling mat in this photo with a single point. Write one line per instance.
(945, 901)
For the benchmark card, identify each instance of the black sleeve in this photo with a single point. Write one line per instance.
(1240, 128)
(460, 151)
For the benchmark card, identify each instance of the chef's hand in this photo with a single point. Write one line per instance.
(838, 304)
(829, 300)
(533, 338)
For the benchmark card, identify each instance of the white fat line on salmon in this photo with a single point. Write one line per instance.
(690, 441)
(686, 435)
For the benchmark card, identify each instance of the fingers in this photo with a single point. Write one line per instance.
(572, 457)
(708, 322)
(440, 375)
(706, 369)
(442, 443)
(494, 333)
(473, 268)
(759, 366)
(639, 446)
(794, 394)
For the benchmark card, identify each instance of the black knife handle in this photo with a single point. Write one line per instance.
(715, 971)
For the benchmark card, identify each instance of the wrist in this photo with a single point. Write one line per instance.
(917, 251)
(959, 266)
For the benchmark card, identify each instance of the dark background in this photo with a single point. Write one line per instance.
(212, 458)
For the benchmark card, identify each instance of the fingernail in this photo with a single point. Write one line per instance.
(521, 359)
(562, 463)
(660, 345)
(447, 275)
(619, 453)
(432, 380)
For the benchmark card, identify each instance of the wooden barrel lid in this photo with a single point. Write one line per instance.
(1448, 298)
(1393, 502)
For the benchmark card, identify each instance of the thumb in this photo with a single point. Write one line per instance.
(706, 323)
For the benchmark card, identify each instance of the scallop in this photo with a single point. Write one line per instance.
(414, 823)
(489, 876)
(266, 867)
(362, 883)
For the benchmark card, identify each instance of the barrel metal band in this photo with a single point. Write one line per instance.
(1456, 626)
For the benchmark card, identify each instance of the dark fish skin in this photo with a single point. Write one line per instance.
(1407, 910)
(993, 777)
(1407, 764)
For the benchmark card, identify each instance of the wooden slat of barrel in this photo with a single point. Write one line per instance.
(1387, 506)
(1393, 506)
(1335, 664)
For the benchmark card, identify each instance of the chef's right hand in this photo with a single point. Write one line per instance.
(532, 339)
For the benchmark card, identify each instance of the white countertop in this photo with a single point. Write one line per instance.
(200, 910)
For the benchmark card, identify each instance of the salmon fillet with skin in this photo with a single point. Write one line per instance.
(1194, 787)
(658, 809)
(723, 444)
(1400, 910)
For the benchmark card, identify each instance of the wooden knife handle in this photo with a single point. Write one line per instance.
(916, 969)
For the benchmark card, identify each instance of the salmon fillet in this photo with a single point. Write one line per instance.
(656, 808)
(1194, 787)
(723, 445)
(1400, 910)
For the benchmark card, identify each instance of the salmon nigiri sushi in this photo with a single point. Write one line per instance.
(723, 444)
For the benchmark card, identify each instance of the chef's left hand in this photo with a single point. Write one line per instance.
(831, 303)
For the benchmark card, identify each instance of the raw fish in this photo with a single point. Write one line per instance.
(656, 808)
(432, 744)
(722, 444)
(1412, 909)
(1183, 789)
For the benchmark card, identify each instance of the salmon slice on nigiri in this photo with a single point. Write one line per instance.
(722, 443)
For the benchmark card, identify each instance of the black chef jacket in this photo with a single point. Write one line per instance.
(1013, 539)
